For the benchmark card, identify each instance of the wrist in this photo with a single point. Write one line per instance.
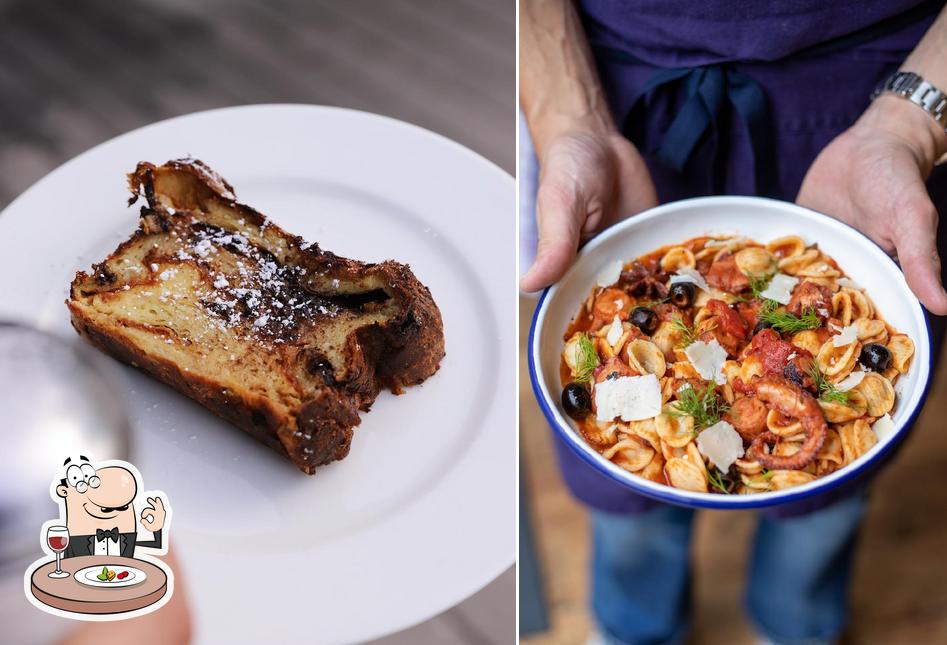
(550, 122)
(552, 130)
(910, 124)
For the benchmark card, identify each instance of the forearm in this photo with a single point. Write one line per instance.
(559, 87)
(929, 60)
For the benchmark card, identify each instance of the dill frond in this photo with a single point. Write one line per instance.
(586, 359)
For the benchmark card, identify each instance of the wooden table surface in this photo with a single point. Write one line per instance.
(69, 594)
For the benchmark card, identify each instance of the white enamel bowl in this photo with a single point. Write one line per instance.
(762, 220)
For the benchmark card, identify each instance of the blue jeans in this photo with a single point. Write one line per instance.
(797, 589)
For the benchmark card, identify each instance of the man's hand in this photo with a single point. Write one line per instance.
(591, 175)
(588, 182)
(153, 515)
(872, 177)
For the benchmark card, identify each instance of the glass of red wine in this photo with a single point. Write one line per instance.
(57, 537)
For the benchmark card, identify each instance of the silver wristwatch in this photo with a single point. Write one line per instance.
(914, 88)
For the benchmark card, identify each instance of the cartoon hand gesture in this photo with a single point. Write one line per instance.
(152, 516)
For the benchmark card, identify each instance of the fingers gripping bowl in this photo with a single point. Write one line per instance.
(761, 220)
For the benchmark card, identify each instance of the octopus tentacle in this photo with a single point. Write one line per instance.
(792, 401)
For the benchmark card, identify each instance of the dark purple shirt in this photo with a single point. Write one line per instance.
(811, 99)
(676, 33)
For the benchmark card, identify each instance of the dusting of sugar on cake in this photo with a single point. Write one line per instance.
(247, 289)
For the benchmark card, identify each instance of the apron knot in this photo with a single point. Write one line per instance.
(706, 91)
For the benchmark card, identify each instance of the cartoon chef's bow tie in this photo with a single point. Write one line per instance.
(111, 533)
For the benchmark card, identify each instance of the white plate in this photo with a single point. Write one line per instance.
(421, 514)
(88, 575)
(762, 220)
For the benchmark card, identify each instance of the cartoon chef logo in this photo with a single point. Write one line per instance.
(100, 562)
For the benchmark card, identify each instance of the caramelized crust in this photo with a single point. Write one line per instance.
(286, 341)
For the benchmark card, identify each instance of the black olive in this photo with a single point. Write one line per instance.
(576, 401)
(760, 326)
(682, 293)
(875, 357)
(792, 373)
(644, 319)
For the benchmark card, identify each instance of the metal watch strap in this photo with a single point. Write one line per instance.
(915, 89)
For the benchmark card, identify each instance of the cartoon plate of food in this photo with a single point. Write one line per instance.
(110, 576)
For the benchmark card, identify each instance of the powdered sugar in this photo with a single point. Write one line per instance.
(248, 288)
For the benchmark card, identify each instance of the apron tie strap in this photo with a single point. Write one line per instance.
(706, 90)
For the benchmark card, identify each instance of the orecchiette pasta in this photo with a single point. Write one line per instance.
(645, 428)
(787, 247)
(666, 338)
(646, 357)
(783, 479)
(842, 307)
(655, 469)
(818, 269)
(871, 330)
(794, 263)
(677, 258)
(630, 453)
(755, 261)
(807, 340)
(837, 362)
(861, 305)
(856, 438)
(781, 425)
(675, 430)
(853, 408)
(831, 449)
(683, 474)
(878, 393)
(902, 349)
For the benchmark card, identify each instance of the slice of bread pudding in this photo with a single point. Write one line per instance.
(281, 338)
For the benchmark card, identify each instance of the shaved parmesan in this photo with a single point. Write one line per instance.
(850, 381)
(721, 444)
(614, 332)
(687, 274)
(610, 274)
(780, 288)
(847, 282)
(883, 427)
(707, 359)
(845, 336)
(630, 397)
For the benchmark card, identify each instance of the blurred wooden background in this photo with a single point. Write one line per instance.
(900, 583)
(73, 74)
(76, 73)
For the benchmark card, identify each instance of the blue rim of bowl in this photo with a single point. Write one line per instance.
(731, 502)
